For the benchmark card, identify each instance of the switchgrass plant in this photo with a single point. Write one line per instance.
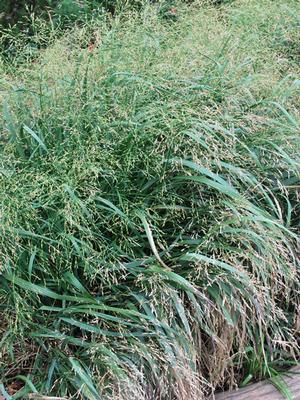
(149, 191)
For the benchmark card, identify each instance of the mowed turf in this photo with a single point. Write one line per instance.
(149, 194)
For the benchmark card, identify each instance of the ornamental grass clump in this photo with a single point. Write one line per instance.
(149, 192)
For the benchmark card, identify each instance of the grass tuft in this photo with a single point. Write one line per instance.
(149, 192)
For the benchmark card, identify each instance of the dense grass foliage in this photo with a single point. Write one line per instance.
(149, 192)
(18, 11)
